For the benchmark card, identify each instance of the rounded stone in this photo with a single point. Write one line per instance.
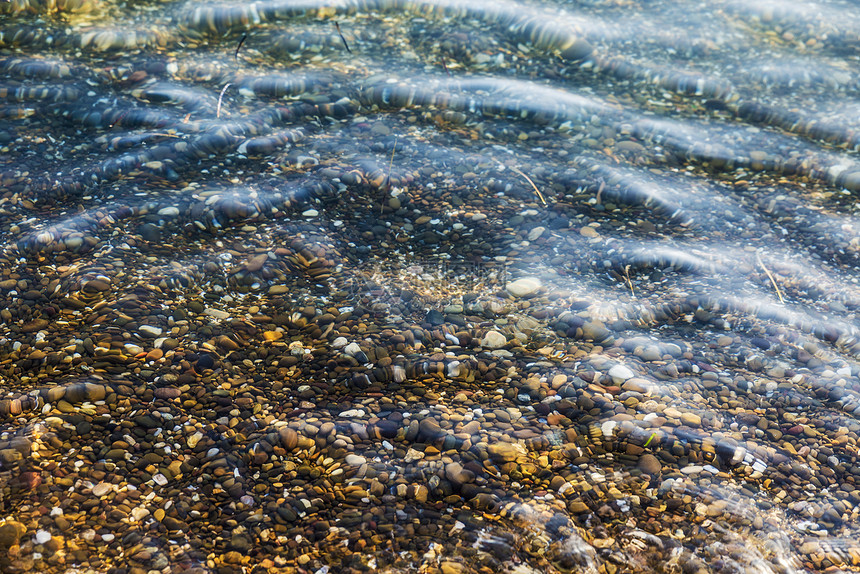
(621, 373)
(650, 464)
(494, 340)
(524, 287)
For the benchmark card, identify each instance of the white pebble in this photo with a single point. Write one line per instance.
(139, 513)
(150, 330)
(339, 342)
(216, 313)
(524, 286)
(620, 373)
(355, 460)
(607, 428)
(493, 340)
(352, 349)
(102, 488)
(43, 537)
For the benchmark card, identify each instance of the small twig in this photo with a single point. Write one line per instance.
(220, 96)
(387, 183)
(772, 280)
(444, 66)
(119, 118)
(342, 39)
(242, 41)
(629, 283)
(528, 179)
(600, 191)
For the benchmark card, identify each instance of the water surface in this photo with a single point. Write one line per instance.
(429, 286)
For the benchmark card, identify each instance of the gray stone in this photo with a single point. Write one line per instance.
(524, 287)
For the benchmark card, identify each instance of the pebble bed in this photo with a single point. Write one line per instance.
(428, 286)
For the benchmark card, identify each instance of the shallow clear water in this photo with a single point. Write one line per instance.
(429, 286)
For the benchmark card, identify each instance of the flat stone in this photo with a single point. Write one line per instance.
(637, 385)
(691, 419)
(149, 331)
(503, 452)
(340, 342)
(620, 373)
(449, 567)
(430, 429)
(167, 393)
(11, 532)
(352, 349)
(101, 489)
(154, 355)
(458, 475)
(139, 513)
(524, 287)
(595, 331)
(536, 232)
(97, 285)
(578, 507)
(133, 349)
(34, 325)
(355, 460)
(650, 464)
(216, 313)
(256, 262)
(494, 340)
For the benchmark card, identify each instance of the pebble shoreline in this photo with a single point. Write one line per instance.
(537, 298)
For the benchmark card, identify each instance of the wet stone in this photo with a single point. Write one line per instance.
(524, 287)
(649, 464)
(620, 373)
(150, 331)
(502, 452)
(493, 340)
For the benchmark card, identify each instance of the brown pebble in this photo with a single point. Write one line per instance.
(650, 464)
(167, 393)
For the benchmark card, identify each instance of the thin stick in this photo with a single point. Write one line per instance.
(772, 280)
(528, 179)
(220, 96)
(342, 39)
(627, 276)
(444, 66)
(388, 177)
(391, 162)
(242, 41)
(600, 190)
